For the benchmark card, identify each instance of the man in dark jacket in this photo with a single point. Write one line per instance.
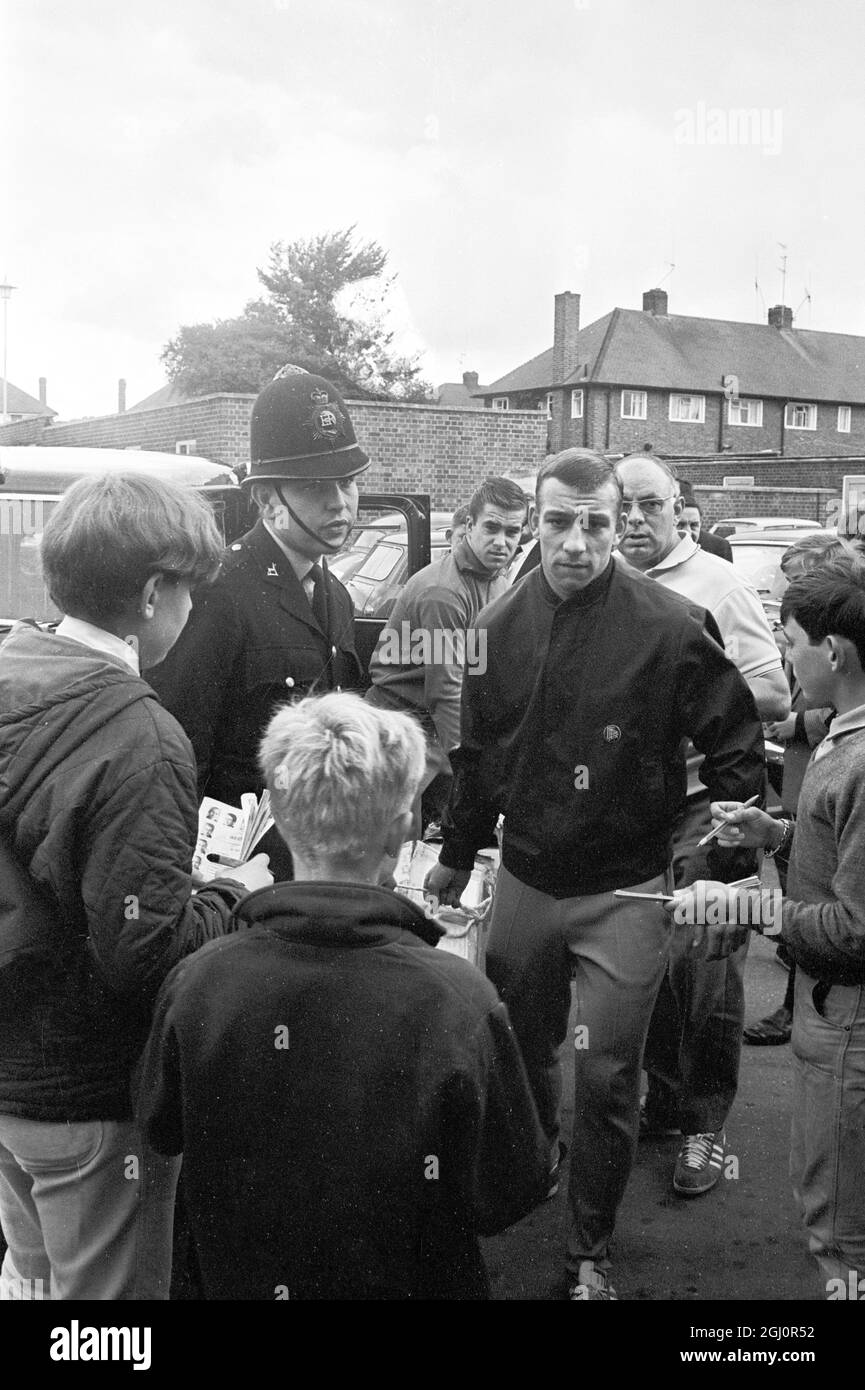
(691, 521)
(98, 814)
(574, 732)
(350, 1103)
(276, 624)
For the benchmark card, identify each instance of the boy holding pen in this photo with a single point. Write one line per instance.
(823, 918)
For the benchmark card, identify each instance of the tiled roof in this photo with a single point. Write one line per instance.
(455, 395)
(18, 402)
(169, 394)
(630, 347)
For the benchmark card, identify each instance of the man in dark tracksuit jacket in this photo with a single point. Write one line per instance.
(574, 732)
(276, 624)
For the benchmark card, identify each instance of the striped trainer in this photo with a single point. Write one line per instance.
(698, 1166)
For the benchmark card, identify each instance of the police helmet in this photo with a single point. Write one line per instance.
(300, 429)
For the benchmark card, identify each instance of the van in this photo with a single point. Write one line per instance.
(33, 479)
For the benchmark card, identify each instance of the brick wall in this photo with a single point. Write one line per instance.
(414, 448)
(808, 504)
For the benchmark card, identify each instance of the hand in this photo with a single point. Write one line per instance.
(253, 874)
(448, 885)
(782, 730)
(744, 826)
(722, 905)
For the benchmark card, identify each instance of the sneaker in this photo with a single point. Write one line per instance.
(556, 1170)
(592, 1285)
(654, 1123)
(698, 1166)
(773, 1031)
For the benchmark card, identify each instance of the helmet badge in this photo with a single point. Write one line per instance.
(327, 420)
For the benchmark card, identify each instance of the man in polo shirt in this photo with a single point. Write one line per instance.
(424, 648)
(694, 1043)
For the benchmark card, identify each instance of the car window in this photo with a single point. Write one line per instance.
(380, 562)
(22, 590)
(759, 564)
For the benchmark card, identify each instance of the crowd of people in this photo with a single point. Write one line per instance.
(580, 680)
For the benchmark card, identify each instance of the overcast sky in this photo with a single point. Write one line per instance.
(500, 150)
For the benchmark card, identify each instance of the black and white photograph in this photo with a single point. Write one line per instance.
(432, 665)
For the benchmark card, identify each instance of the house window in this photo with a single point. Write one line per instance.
(633, 405)
(546, 405)
(745, 413)
(687, 409)
(576, 405)
(844, 419)
(501, 403)
(185, 446)
(800, 417)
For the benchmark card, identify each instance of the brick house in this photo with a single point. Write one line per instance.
(21, 406)
(692, 386)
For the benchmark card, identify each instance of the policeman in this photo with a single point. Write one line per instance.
(275, 624)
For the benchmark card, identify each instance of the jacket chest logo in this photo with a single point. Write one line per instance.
(611, 733)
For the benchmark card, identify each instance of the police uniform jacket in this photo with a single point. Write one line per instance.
(251, 643)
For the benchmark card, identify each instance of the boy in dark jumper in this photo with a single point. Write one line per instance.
(351, 1104)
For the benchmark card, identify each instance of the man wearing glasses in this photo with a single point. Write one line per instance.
(695, 1039)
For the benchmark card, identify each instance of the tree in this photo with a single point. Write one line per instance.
(305, 319)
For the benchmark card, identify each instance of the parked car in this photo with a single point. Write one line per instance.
(375, 585)
(757, 558)
(733, 525)
(367, 535)
(32, 481)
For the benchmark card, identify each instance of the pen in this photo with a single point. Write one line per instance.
(752, 801)
(752, 881)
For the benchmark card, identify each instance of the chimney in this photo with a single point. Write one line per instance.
(780, 316)
(655, 302)
(566, 328)
(470, 381)
(43, 391)
(121, 396)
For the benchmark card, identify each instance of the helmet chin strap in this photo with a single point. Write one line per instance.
(319, 540)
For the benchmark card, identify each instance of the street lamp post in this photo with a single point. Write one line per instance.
(5, 295)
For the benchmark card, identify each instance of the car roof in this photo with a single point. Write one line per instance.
(792, 523)
(778, 534)
(32, 468)
(396, 521)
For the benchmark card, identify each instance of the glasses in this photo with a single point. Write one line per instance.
(649, 506)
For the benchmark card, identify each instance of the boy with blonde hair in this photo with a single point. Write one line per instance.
(350, 1103)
